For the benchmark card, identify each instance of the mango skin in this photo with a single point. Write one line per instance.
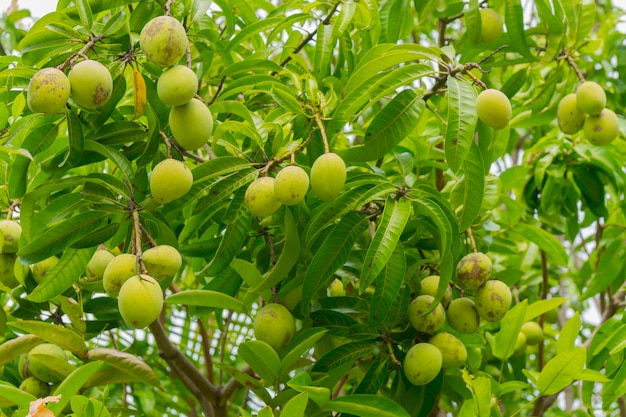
(462, 315)
(473, 270)
(602, 129)
(35, 387)
(493, 300)
(91, 84)
(274, 325)
(520, 344)
(191, 124)
(118, 271)
(48, 91)
(177, 85)
(493, 108)
(170, 180)
(162, 261)
(430, 286)
(163, 40)
(490, 25)
(453, 351)
(39, 366)
(328, 176)
(10, 233)
(570, 118)
(590, 98)
(533, 332)
(41, 269)
(140, 300)
(422, 363)
(260, 197)
(7, 270)
(97, 264)
(432, 321)
(291, 185)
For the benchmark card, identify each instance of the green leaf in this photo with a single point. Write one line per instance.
(480, 387)
(344, 354)
(473, 187)
(114, 156)
(57, 335)
(126, 362)
(15, 395)
(302, 382)
(461, 122)
(332, 254)
(84, 12)
(287, 101)
(514, 18)
(568, 334)
(555, 251)
(72, 384)
(389, 127)
(390, 226)
(503, 345)
(388, 284)
(262, 358)
(540, 307)
(366, 405)
(615, 389)
(561, 371)
(375, 376)
(13, 348)
(75, 136)
(324, 44)
(68, 270)
(296, 406)
(302, 342)
(287, 258)
(60, 236)
(205, 298)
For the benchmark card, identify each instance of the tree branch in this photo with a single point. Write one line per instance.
(232, 384)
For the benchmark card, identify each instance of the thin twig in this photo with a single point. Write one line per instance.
(81, 53)
(320, 124)
(220, 86)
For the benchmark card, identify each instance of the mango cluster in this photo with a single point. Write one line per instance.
(266, 195)
(10, 233)
(490, 302)
(586, 109)
(43, 368)
(89, 84)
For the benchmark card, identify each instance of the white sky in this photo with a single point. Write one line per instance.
(38, 8)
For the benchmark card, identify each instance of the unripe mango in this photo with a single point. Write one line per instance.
(41, 269)
(140, 300)
(493, 300)
(590, 98)
(35, 387)
(533, 332)
(119, 269)
(422, 363)
(291, 185)
(163, 40)
(191, 124)
(569, 116)
(490, 25)
(430, 322)
(601, 129)
(430, 286)
(48, 91)
(493, 108)
(97, 264)
(91, 84)
(162, 261)
(274, 325)
(48, 362)
(473, 270)
(170, 180)
(452, 350)
(337, 288)
(520, 344)
(328, 176)
(7, 271)
(177, 85)
(10, 233)
(260, 197)
(463, 316)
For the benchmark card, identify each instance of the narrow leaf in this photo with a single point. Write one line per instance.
(561, 371)
(473, 187)
(388, 285)
(461, 122)
(205, 298)
(13, 348)
(71, 385)
(58, 335)
(568, 334)
(366, 405)
(391, 225)
(504, 341)
(343, 354)
(296, 406)
(262, 358)
(333, 253)
(139, 94)
(126, 362)
(301, 343)
(84, 12)
(555, 251)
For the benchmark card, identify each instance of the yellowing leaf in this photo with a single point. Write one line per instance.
(139, 92)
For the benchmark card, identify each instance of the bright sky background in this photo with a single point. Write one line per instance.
(38, 8)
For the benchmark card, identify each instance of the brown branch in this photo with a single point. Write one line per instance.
(311, 35)
(206, 350)
(275, 162)
(207, 407)
(320, 124)
(81, 53)
(570, 60)
(470, 235)
(220, 86)
(168, 6)
(197, 384)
